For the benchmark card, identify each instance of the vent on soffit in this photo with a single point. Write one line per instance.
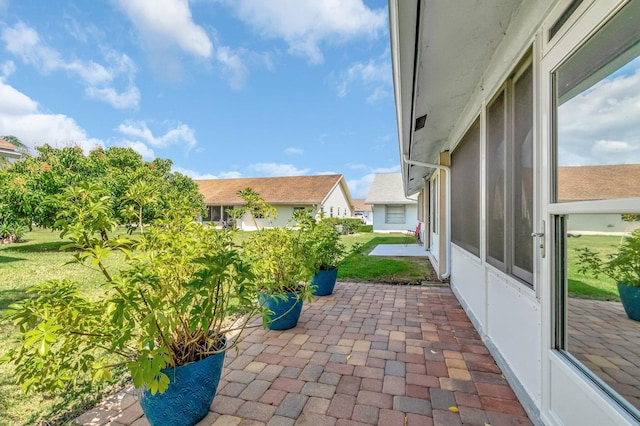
(420, 122)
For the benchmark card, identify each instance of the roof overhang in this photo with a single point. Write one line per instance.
(9, 153)
(439, 51)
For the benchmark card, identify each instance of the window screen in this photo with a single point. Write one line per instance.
(465, 191)
(394, 214)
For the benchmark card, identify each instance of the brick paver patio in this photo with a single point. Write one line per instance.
(370, 354)
(605, 340)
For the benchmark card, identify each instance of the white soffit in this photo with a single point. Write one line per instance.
(457, 40)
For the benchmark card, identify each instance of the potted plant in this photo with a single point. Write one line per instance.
(623, 266)
(279, 264)
(165, 315)
(325, 251)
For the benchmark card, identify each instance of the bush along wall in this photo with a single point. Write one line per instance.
(346, 226)
(365, 228)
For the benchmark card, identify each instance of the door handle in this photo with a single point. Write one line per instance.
(541, 236)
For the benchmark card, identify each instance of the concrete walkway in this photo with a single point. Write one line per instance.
(411, 249)
(370, 354)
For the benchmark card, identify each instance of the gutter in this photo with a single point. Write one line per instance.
(447, 171)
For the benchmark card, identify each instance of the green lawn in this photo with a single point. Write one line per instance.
(362, 267)
(586, 286)
(21, 265)
(39, 258)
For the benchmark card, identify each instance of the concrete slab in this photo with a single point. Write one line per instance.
(410, 249)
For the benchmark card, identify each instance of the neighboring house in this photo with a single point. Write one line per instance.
(362, 210)
(326, 195)
(392, 210)
(492, 99)
(8, 150)
(590, 183)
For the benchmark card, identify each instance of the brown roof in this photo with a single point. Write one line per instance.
(274, 190)
(581, 183)
(7, 146)
(360, 206)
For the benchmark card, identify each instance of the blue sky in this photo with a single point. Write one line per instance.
(224, 88)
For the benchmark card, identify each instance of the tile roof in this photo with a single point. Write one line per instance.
(274, 190)
(6, 145)
(387, 188)
(580, 183)
(8, 149)
(359, 205)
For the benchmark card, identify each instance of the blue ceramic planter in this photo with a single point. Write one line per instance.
(324, 281)
(286, 313)
(630, 298)
(189, 396)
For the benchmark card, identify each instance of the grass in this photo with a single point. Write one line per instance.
(22, 265)
(587, 286)
(39, 258)
(395, 270)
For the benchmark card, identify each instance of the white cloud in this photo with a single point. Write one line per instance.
(20, 117)
(611, 147)
(14, 102)
(179, 135)
(276, 169)
(600, 125)
(233, 67)
(139, 147)
(378, 93)
(357, 166)
(305, 25)
(293, 151)
(373, 76)
(230, 175)
(7, 68)
(193, 174)
(123, 100)
(199, 176)
(138, 136)
(164, 24)
(24, 42)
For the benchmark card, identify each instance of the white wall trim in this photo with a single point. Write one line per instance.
(527, 403)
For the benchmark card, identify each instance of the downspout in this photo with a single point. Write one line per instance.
(447, 174)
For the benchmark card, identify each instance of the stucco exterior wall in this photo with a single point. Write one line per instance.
(337, 200)
(284, 218)
(600, 224)
(380, 225)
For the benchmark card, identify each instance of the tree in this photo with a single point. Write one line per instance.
(256, 206)
(28, 186)
(140, 193)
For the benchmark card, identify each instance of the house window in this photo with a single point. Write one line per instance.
(213, 213)
(465, 191)
(330, 211)
(597, 167)
(394, 214)
(510, 175)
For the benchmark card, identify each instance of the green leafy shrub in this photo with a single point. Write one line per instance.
(169, 306)
(346, 226)
(623, 266)
(322, 242)
(365, 228)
